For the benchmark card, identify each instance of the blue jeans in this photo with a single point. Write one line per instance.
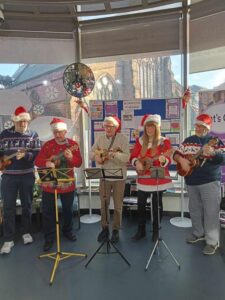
(13, 187)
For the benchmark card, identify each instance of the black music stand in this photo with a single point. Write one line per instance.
(159, 173)
(103, 174)
(56, 177)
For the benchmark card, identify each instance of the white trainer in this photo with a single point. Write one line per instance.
(27, 238)
(6, 248)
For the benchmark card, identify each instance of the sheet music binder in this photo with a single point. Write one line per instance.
(48, 175)
(97, 173)
(157, 172)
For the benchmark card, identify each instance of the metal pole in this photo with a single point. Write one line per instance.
(90, 218)
(182, 221)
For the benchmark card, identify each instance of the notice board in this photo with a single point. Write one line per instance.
(131, 112)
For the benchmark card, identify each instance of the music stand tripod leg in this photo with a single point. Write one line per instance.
(54, 269)
(58, 256)
(96, 252)
(174, 258)
(108, 245)
(157, 176)
(118, 251)
(150, 257)
(102, 175)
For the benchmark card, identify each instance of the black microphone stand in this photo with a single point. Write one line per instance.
(159, 172)
(104, 174)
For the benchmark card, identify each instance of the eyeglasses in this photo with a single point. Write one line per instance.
(108, 126)
(59, 132)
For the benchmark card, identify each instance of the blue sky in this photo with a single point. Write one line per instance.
(208, 80)
(8, 69)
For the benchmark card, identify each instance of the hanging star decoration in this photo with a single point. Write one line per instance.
(186, 98)
(82, 105)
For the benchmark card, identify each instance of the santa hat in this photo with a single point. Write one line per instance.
(20, 114)
(115, 120)
(204, 120)
(151, 118)
(58, 124)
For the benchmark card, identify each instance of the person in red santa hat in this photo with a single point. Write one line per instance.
(111, 151)
(150, 150)
(60, 152)
(202, 178)
(21, 145)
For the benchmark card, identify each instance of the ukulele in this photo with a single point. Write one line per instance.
(104, 154)
(195, 161)
(6, 159)
(59, 160)
(147, 162)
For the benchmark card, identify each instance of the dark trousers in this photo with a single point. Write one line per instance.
(142, 201)
(13, 187)
(48, 213)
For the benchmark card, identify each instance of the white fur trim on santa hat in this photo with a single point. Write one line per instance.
(153, 118)
(203, 124)
(113, 120)
(21, 117)
(58, 126)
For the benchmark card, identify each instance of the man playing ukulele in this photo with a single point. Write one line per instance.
(203, 182)
(60, 152)
(21, 145)
(111, 151)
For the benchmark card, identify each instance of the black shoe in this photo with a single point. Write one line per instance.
(48, 245)
(103, 235)
(141, 233)
(115, 236)
(70, 236)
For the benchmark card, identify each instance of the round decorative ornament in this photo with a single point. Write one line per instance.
(78, 80)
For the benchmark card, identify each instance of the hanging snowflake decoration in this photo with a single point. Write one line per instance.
(52, 93)
(8, 124)
(38, 109)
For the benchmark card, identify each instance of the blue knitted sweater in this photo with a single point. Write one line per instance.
(211, 169)
(11, 141)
